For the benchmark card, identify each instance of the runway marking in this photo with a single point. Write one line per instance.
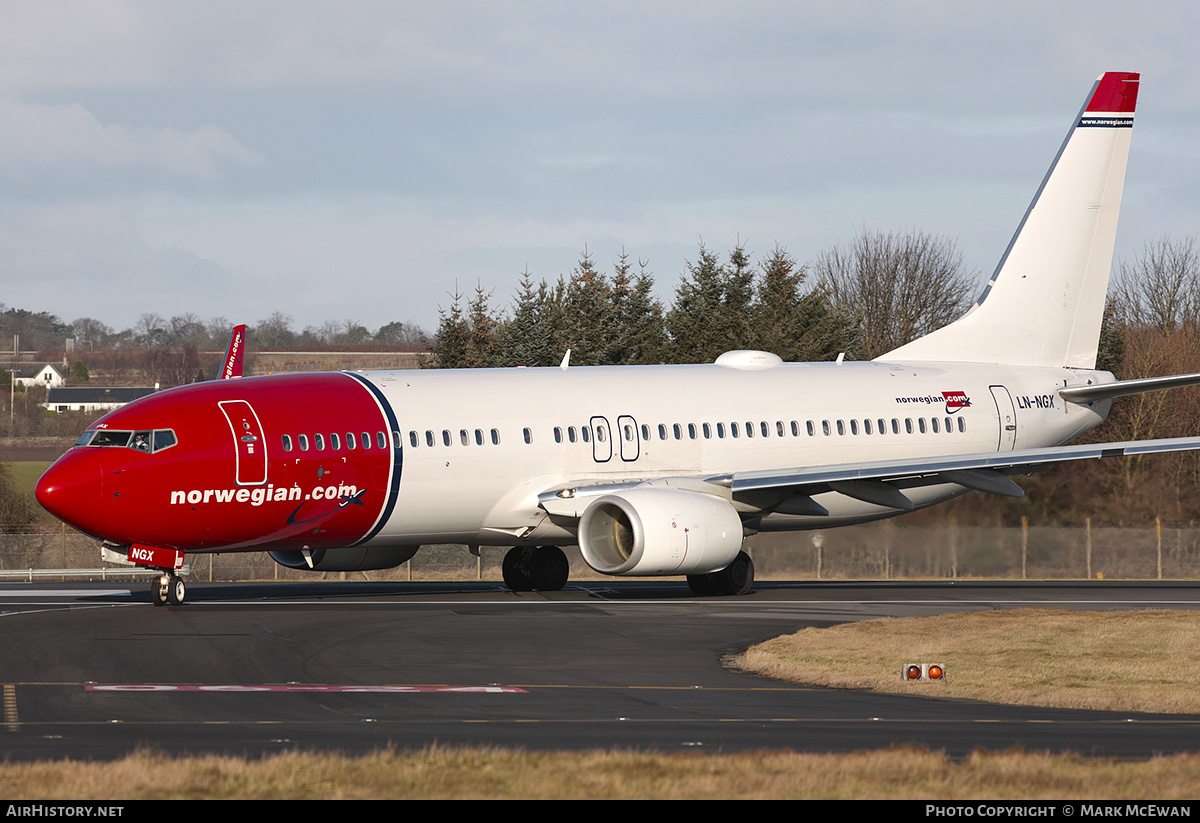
(65, 593)
(11, 721)
(290, 687)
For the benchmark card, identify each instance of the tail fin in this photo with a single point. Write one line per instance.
(1044, 304)
(233, 355)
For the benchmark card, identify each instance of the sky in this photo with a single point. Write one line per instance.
(363, 161)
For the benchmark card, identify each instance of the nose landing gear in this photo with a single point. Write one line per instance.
(167, 589)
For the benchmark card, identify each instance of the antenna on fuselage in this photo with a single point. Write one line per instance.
(566, 361)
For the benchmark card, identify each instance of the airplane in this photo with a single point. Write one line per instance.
(649, 470)
(234, 354)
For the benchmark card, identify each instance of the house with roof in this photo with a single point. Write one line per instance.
(91, 398)
(49, 375)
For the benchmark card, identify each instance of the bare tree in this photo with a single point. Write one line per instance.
(900, 286)
(1161, 289)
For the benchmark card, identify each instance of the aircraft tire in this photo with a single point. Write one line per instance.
(517, 568)
(736, 578)
(158, 592)
(550, 568)
(702, 585)
(176, 591)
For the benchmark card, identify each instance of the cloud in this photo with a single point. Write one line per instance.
(45, 143)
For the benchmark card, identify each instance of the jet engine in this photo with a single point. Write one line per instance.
(358, 559)
(656, 531)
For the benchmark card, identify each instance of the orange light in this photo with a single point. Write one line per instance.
(914, 672)
(935, 672)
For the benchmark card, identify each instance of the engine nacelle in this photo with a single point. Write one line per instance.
(357, 559)
(656, 531)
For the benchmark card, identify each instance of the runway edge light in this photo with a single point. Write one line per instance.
(923, 671)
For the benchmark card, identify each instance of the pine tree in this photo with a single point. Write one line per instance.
(449, 345)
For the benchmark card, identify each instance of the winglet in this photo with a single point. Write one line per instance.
(233, 355)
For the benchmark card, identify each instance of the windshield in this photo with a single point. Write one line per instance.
(146, 440)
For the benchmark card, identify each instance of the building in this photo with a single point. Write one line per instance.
(34, 374)
(87, 398)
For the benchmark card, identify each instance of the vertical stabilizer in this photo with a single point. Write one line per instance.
(232, 367)
(1044, 304)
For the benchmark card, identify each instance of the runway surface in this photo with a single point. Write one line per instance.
(94, 670)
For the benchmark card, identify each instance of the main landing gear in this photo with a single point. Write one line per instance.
(167, 589)
(736, 578)
(544, 568)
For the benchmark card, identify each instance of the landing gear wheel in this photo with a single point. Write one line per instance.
(702, 585)
(551, 569)
(158, 589)
(737, 577)
(175, 590)
(544, 568)
(518, 575)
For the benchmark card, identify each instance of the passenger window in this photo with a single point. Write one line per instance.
(464, 437)
(335, 442)
(350, 439)
(572, 435)
(495, 437)
(882, 427)
(287, 442)
(366, 441)
(721, 431)
(934, 422)
(381, 439)
(558, 434)
(825, 429)
(962, 424)
(412, 439)
(811, 430)
(587, 434)
(854, 427)
(866, 427)
(677, 430)
(303, 442)
(691, 431)
(921, 424)
(908, 426)
(528, 435)
(445, 438)
(841, 428)
(479, 437)
(734, 430)
(428, 438)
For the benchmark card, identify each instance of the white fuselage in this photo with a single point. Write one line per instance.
(606, 424)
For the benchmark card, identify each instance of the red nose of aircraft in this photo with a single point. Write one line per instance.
(73, 491)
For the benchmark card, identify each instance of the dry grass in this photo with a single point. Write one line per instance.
(1122, 661)
(436, 773)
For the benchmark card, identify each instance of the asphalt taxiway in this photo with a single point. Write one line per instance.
(96, 671)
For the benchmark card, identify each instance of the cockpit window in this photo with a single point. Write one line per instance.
(146, 440)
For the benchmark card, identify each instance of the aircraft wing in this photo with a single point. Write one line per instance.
(881, 482)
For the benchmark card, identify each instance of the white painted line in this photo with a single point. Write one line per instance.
(294, 687)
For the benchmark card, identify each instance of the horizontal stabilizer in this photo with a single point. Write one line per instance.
(1105, 391)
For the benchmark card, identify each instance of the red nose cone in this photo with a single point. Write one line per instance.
(71, 489)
